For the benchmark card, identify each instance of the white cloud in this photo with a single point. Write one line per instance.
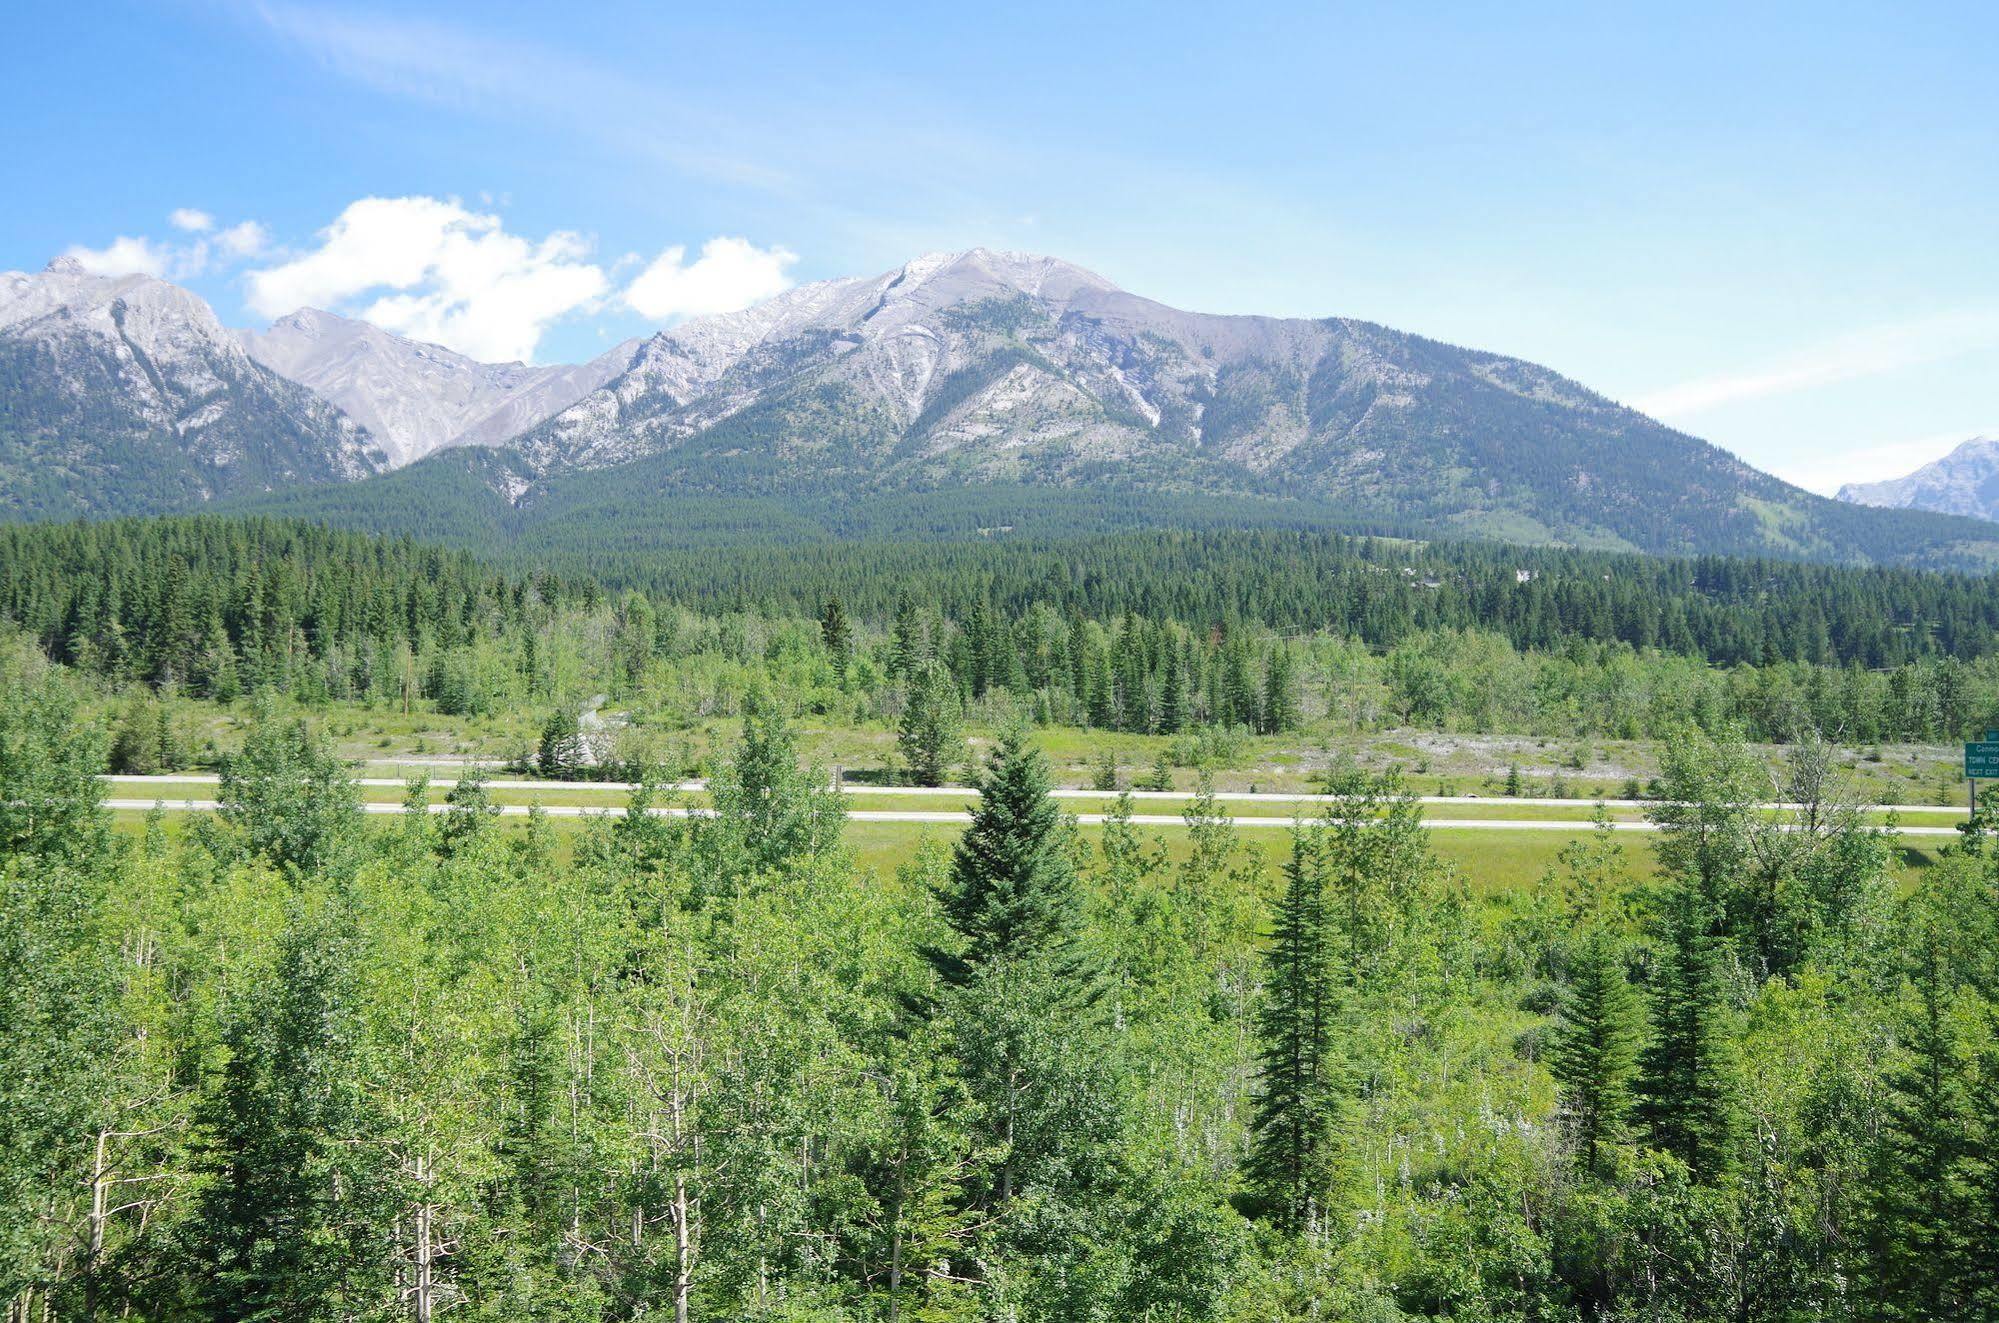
(246, 239)
(124, 256)
(729, 275)
(1871, 352)
(440, 273)
(180, 259)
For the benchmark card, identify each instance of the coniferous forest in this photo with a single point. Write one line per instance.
(303, 1058)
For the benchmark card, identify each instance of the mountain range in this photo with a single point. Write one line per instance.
(417, 398)
(1964, 482)
(954, 374)
(126, 395)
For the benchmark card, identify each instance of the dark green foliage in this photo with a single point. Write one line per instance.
(1594, 1054)
(1013, 891)
(1147, 632)
(1690, 1083)
(293, 1220)
(559, 755)
(838, 636)
(1933, 1264)
(147, 741)
(469, 813)
(1019, 995)
(1301, 1082)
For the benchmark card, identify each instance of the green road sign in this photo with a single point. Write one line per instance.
(1981, 761)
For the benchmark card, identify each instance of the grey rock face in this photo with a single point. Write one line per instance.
(417, 398)
(1964, 482)
(984, 365)
(124, 393)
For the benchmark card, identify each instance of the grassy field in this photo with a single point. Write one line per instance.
(382, 738)
(1492, 864)
(384, 743)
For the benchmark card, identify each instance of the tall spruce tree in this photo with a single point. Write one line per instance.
(1690, 1076)
(1923, 1207)
(1012, 894)
(838, 636)
(1293, 1142)
(1594, 1056)
(1019, 990)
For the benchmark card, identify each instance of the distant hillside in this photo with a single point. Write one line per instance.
(417, 398)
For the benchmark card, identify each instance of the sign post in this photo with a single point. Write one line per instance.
(1981, 763)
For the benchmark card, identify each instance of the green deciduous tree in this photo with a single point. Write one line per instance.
(50, 796)
(927, 736)
(289, 800)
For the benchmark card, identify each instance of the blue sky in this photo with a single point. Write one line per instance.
(1773, 225)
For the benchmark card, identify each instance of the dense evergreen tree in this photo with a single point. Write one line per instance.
(1690, 1083)
(295, 1211)
(837, 635)
(1291, 1163)
(1594, 1055)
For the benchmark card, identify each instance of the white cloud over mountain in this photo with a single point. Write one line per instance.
(730, 275)
(176, 259)
(438, 270)
(123, 256)
(432, 269)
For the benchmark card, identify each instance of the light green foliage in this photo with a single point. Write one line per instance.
(49, 761)
(767, 808)
(288, 800)
(928, 736)
(655, 1063)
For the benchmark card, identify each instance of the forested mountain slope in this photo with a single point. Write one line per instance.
(1019, 386)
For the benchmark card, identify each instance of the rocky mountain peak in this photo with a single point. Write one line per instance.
(1965, 482)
